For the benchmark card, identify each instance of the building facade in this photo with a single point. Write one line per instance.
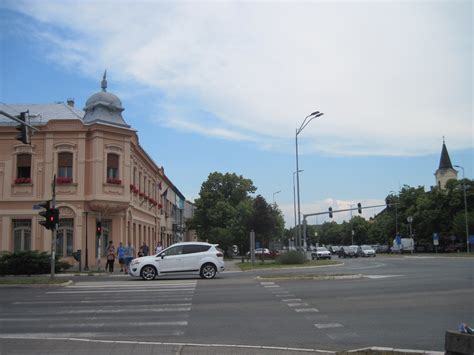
(102, 175)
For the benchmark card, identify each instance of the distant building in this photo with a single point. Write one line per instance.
(102, 174)
(445, 172)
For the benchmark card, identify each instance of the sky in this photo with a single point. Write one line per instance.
(224, 86)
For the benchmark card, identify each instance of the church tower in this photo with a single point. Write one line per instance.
(445, 171)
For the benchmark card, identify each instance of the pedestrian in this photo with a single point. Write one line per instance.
(145, 249)
(158, 248)
(140, 252)
(121, 256)
(129, 255)
(109, 266)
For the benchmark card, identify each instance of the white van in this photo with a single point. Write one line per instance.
(407, 246)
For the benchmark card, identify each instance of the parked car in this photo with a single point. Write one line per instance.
(351, 251)
(203, 259)
(320, 253)
(381, 248)
(334, 249)
(259, 251)
(367, 250)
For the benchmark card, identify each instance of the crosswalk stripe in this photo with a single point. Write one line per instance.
(302, 310)
(328, 325)
(121, 291)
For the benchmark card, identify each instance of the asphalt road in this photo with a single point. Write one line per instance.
(395, 302)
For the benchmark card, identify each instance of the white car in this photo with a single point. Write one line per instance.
(320, 253)
(198, 258)
(367, 250)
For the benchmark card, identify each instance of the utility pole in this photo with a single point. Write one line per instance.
(53, 231)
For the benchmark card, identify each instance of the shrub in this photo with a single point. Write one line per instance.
(29, 263)
(291, 257)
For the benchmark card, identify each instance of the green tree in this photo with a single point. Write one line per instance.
(222, 198)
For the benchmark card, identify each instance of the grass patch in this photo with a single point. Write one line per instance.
(31, 280)
(276, 265)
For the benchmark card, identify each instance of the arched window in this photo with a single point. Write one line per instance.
(106, 232)
(23, 166)
(65, 237)
(112, 166)
(65, 165)
(21, 234)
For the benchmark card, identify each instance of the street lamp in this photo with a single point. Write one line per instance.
(274, 205)
(306, 121)
(465, 206)
(294, 203)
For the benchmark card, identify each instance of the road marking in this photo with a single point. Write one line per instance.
(81, 337)
(299, 304)
(143, 300)
(381, 276)
(306, 310)
(328, 325)
(189, 290)
(133, 285)
(292, 300)
(122, 310)
(266, 283)
(271, 286)
(283, 294)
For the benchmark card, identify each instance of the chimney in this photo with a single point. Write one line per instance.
(70, 102)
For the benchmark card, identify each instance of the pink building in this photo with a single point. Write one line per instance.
(102, 174)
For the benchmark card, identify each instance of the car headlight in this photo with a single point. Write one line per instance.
(135, 262)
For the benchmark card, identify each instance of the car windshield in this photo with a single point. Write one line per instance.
(353, 248)
(366, 247)
(321, 249)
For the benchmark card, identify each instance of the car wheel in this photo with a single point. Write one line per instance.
(148, 273)
(208, 271)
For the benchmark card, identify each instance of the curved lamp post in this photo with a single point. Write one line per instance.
(306, 121)
(465, 207)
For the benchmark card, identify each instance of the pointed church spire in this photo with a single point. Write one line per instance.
(445, 161)
(104, 81)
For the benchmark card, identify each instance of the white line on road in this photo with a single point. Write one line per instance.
(81, 337)
(134, 286)
(189, 290)
(328, 325)
(292, 300)
(142, 300)
(304, 310)
(299, 304)
(381, 276)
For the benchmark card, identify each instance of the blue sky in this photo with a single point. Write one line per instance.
(222, 86)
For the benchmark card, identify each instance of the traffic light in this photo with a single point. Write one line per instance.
(330, 212)
(359, 208)
(46, 213)
(24, 135)
(98, 229)
(54, 217)
(51, 215)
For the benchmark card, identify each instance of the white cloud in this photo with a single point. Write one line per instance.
(391, 77)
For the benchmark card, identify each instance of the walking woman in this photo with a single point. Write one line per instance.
(110, 257)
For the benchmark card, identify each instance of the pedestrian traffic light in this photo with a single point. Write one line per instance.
(359, 207)
(98, 229)
(24, 135)
(330, 212)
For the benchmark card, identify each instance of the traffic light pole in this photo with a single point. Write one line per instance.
(53, 231)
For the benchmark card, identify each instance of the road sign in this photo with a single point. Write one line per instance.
(471, 239)
(398, 240)
(435, 239)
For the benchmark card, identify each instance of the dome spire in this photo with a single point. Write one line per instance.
(103, 85)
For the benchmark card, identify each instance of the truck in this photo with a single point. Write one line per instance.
(407, 245)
